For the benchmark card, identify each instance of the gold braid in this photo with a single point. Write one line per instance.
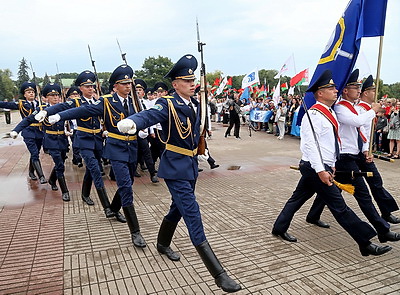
(183, 132)
(107, 109)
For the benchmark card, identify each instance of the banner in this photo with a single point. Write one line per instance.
(260, 116)
(250, 79)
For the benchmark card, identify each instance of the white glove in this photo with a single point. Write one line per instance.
(105, 133)
(13, 134)
(143, 133)
(203, 158)
(41, 116)
(126, 126)
(68, 133)
(54, 119)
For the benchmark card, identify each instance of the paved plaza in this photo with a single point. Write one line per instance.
(48, 246)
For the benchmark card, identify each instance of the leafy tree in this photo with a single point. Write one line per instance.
(46, 80)
(212, 76)
(394, 90)
(8, 89)
(154, 69)
(23, 75)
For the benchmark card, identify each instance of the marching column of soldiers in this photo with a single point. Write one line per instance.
(127, 130)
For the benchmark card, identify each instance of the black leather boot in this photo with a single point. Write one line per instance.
(32, 171)
(53, 180)
(154, 178)
(133, 224)
(86, 187)
(64, 189)
(116, 206)
(164, 239)
(105, 202)
(39, 171)
(215, 268)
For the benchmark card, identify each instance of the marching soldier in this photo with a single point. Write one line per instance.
(55, 140)
(144, 153)
(119, 148)
(178, 166)
(89, 141)
(317, 167)
(72, 93)
(354, 150)
(33, 135)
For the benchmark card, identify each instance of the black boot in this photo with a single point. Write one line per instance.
(133, 224)
(154, 178)
(164, 239)
(116, 206)
(39, 171)
(105, 202)
(53, 180)
(215, 268)
(64, 189)
(86, 187)
(32, 171)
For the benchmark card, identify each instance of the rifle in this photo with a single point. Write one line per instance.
(98, 88)
(136, 103)
(37, 88)
(203, 96)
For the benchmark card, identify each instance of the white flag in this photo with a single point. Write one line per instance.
(277, 94)
(288, 65)
(291, 91)
(250, 79)
(222, 85)
(363, 66)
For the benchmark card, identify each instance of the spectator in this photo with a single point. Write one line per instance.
(394, 131)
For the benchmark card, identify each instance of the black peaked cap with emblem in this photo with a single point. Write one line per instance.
(353, 79)
(183, 69)
(160, 86)
(122, 74)
(323, 81)
(86, 78)
(149, 90)
(51, 88)
(27, 86)
(368, 84)
(140, 83)
(74, 90)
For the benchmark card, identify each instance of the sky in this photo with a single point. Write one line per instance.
(240, 35)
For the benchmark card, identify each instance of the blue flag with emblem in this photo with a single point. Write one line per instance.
(361, 18)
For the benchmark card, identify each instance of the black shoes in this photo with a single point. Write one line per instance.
(53, 185)
(213, 166)
(200, 170)
(88, 200)
(137, 174)
(66, 197)
(389, 236)
(120, 217)
(285, 236)
(168, 252)
(319, 223)
(373, 249)
(138, 240)
(391, 219)
(108, 213)
(154, 178)
(226, 283)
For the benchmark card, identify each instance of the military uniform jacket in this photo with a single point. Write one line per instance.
(118, 146)
(54, 135)
(25, 109)
(181, 129)
(89, 133)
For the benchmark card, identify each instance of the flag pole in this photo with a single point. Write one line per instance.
(378, 76)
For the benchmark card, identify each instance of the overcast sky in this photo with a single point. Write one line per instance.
(240, 35)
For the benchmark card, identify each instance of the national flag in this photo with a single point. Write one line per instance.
(288, 65)
(300, 78)
(362, 18)
(262, 91)
(250, 79)
(215, 85)
(229, 83)
(222, 86)
(284, 86)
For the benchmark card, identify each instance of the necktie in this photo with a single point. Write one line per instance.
(33, 105)
(126, 108)
(192, 110)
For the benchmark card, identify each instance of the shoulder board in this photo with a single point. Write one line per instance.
(167, 96)
(157, 107)
(107, 95)
(70, 102)
(96, 102)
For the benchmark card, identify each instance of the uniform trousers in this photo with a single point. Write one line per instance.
(348, 162)
(76, 157)
(144, 154)
(93, 172)
(58, 157)
(156, 146)
(310, 184)
(34, 145)
(184, 205)
(124, 175)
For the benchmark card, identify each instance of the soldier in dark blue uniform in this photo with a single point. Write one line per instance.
(120, 149)
(33, 135)
(178, 166)
(89, 141)
(72, 93)
(55, 140)
(144, 153)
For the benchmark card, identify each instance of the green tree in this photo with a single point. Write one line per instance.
(154, 69)
(23, 75)
(395, 89)
(212, 76)
(46, 80)
(8, 89)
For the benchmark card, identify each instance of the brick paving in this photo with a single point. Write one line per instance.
(51, 247)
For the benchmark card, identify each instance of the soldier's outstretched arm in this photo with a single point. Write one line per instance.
(89, 110)
(156, 114)
(25, 123)
(12, 105)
